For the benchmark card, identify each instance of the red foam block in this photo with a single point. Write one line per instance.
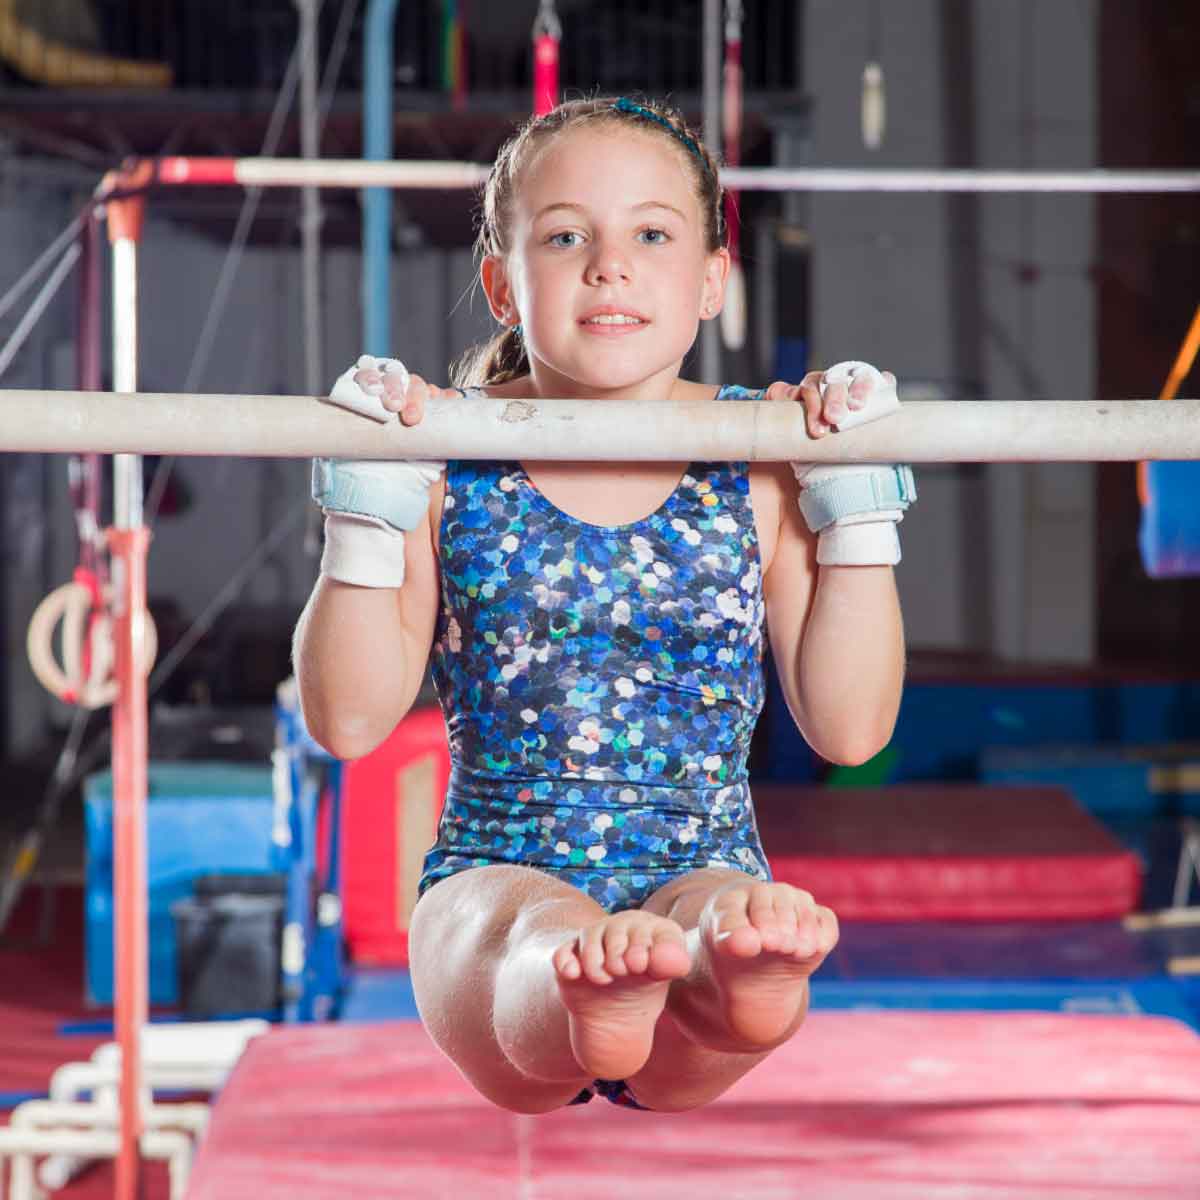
(947, 852)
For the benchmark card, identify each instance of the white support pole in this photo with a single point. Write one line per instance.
(597, 430)
(311, 215)
(444, 174)
(127, 469)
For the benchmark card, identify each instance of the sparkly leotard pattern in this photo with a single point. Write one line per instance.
(600, 684)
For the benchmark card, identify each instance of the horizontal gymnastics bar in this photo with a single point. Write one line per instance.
(354, 173)
(597, 430)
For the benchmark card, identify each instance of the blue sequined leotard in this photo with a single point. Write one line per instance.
(600, 684)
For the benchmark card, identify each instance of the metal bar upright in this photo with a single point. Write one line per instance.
(128, 540)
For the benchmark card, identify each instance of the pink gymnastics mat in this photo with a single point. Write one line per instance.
(859, 1106)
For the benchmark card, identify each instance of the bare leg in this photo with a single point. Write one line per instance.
(754, 946)
(532, 989)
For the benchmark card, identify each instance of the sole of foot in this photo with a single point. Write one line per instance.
(613, 978)
(762, 943)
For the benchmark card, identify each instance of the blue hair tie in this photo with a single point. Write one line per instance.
(622, 105)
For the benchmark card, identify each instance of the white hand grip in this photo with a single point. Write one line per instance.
(347, 394)
(882, 402)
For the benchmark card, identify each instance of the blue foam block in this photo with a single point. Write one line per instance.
(1169, 537)
(944, 724)
(875, 951)
(378, 994)
(1109, 781)
(201, 818)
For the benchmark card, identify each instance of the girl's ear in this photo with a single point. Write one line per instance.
(716, 272)
(498, 290)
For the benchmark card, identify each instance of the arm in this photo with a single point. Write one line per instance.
(360, 652)
(832, 608)
(837, 641)
(362, 642)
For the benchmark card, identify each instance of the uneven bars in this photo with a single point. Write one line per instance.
(533, 430)
(359, 173)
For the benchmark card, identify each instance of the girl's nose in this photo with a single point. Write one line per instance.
(607, 264)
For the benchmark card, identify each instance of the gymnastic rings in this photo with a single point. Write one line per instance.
(85, 676)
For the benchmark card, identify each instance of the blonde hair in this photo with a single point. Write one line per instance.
(503, 357)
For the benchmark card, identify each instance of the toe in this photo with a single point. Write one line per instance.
(616, 942)
(735, 935)
(591, 957)
(668, 957)
(637, 954)
(730, 923)
(566, 961)
(827, 929)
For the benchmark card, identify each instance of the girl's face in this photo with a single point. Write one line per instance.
(607, 270)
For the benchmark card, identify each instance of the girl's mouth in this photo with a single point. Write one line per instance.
(608, 323)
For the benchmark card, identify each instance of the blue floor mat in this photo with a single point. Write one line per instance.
(1053, 966)
(1000, 950)
(376, 994)
(1162, 997)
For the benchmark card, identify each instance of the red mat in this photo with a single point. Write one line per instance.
(947, 852)
(40, 988)
(859, 1106)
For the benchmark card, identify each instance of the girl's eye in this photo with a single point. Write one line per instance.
(654, 237)
(558, 239)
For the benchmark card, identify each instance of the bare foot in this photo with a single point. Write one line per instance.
(760, 943)
(613, 977)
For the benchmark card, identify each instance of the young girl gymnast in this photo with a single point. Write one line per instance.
(597, 915)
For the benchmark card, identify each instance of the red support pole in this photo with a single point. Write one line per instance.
(130, 749)
(123, 194)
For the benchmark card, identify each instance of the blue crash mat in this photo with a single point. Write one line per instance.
(1170, 531)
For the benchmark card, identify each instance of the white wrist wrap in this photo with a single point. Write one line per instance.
(871, 544)
(364, 551)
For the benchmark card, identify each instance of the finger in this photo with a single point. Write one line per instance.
(834, 407)
(370, 380)
(390, 386)
(415, 398)
(810, 396)
(395, 387)
(859, 392)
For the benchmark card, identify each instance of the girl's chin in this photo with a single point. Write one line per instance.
(609, 371)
